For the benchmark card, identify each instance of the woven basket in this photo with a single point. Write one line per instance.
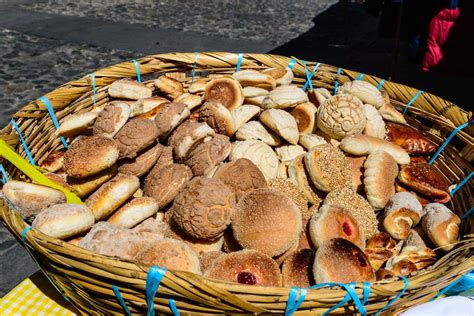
(85, 278)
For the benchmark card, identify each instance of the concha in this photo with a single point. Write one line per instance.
(365, 91)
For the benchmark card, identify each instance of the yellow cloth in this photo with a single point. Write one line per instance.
(34, 296)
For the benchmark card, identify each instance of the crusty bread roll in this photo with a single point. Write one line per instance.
(167, 182)
(298, 174)
(218, 117)
(247, 267)
(203, 208)
(54, 161)
(187, 136)
(254, 78)
(266, 220)
(90, 155)
(135, 135)
(380, 173)
(402, 212)
(111, 119)
(129, 89)
(362, 145)
(30, 199)
(243, 114)
(143, 163)
(328, 168)
(134, 212)
(170, 87)
(441, 225)
(64, 220)
(259, 153)
(77, 123)
(257, 131)
(297, 269)
(389, 113)
(192, 101)
(339, 260)
(305, 116)
(375, 125)
(283, 77)
(84, 186)
(289, 152)
(170, 117)
(332, 222)
(209, 154)
(241, 176)
(112, 194)
(199, 85)
(146, 105)
(284, 97)
(365, 91)
(254, 95)
(282, 123)
(171, 254)
(308, 141)
(225, 90)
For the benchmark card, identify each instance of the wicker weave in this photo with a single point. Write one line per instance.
(86, 278)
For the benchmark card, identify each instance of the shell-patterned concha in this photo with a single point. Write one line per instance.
(365, 91)
(375, 125)
(259, 153)
(341, 115)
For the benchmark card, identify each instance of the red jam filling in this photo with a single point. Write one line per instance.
(246, 278)
(346, 228)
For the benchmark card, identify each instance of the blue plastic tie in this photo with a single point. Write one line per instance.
(291, 64)
(194, 66)
(121, 300)
(153, 280)
(25, 146)
(293, 304)
(336, 83)
(137, 70)
(23, 233)
(93, 86)
(446, 142)
(5, 178)
(460, 184)
(467, 214)
(50, 109)
(239, 61)
(361, 75)
(309, 76)
(412, 100)
(463, 278)
(381, 84)
(173, 308)
(351, 294)
(405, 287)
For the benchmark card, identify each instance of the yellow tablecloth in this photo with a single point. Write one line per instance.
(35, 296)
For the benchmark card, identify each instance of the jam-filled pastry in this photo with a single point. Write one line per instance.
(408, 138)
(424, 179)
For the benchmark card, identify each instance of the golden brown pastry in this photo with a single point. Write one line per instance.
(241, 176)
(171, 254)
(192, 101)
(254, 78)
(218, 117)
(146, 105)
(255, 130)
(339, 260)
(328, 168)
(134, 212)
(384, 274)
(297, 269)
(381, 170)
(298, 174)
(170, 117)
(284, 97)
(170, 87)
(209, 154)
(289, 152)
(64, 220)
(308, 141)
(225, 90)
(409, 139)
(111, 119)
(398, 266)
(375, 125)
(403, 211)
(305, 116)
(363, 90)
(266, 220)
(441, 225)
(165, 184)
(247, 267)
(75, 124)
(90, 155)
(243, 114)
(283, 77)
(424, 179)
(421, 257)
(389, 113)
(380, 248)
(282, 123)
(254, 95)
(85, 186)
(129, 89)
(332, 222)
(53, 162)
(135, 135)
(143, 163)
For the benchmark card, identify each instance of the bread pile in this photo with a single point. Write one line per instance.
(241, 178)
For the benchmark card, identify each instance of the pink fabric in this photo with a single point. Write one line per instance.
(440, 26)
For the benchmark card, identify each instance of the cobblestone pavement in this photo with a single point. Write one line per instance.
(275, 21)
(31, 66)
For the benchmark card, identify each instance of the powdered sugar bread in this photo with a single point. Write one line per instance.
(441, 225)
(402, 212)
